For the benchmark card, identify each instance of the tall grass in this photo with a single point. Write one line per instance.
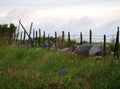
(35, 68)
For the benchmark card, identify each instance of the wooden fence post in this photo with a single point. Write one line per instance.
(49, 41)
(116, 49)
(21, 38)
(17, 35)
(36, 42)
(14, 35)
(30, 29)
(39, 40)
(24, 29)
(24, 38)
(81, 38)
(9, 38)
(90, 36)
(69, 43)
(44, 39)
(63, 39)
(118, 44)
(104, 46)
(30, 41)
(56, 41)
(33, 37)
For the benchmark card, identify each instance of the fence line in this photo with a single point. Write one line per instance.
(37, 34)
(37, 38)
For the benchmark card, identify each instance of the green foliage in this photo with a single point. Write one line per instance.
(112, 46)
(7, 31)
(35, 68)
(2, 42)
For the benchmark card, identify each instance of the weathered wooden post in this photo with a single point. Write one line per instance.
(36, 42)
(33, 37)
(48, 41)
(30, 40)
(39, 40)
(63, 39)
(104, 46)
(56, 41)
(17, 35)
(44, 39)
(25, 31)
(90, 36)
(30, 29)
(9, 38)
(69, 43)
(14, 35)
(21, 38)
(24, 38)
(118, 44)
(81, 38)
(116, 49)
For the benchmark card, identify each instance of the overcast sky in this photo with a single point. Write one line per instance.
(102, 16)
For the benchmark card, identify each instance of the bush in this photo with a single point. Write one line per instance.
(112, 46)
(2, 42)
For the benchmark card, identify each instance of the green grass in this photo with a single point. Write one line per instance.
(35, 68)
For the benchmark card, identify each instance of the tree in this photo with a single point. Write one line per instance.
(7, 31)
(11, 32)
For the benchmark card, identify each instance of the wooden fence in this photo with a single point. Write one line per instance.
(37, 39)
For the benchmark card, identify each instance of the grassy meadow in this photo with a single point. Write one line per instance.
(35, 68)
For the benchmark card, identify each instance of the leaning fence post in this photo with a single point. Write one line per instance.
(63, 39)
(69, 44)
(104, 46)
(55, 40)
(25, 30)
(90, 36)
(81, 38)
(116, 49)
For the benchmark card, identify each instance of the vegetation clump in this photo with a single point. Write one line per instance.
(35, 68)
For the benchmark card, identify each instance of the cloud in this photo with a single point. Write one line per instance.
(14, 15)
(52, 3)
(82, 25)
(69, 15)
(109, 27)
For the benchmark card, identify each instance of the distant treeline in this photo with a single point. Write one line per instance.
(7, 32)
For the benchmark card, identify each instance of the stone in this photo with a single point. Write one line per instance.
(62, 72)
(101, 47)
(65, 49)
(83, 49)
(95, 51)
(47, 43)
(85, 42)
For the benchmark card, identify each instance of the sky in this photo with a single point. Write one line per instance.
(101, 16)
